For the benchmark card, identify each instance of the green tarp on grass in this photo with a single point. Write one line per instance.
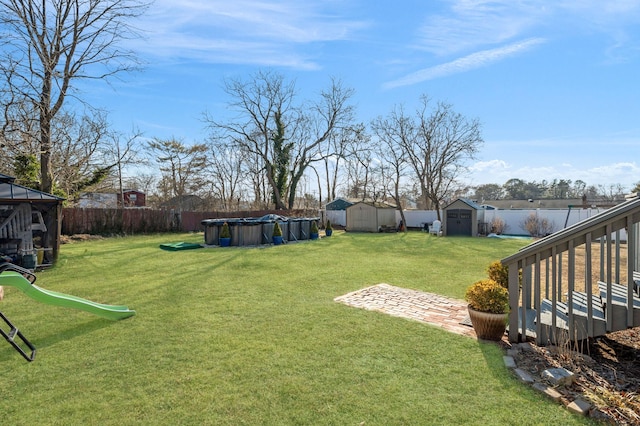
(179, 246)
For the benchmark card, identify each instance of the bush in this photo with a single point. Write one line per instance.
(537, 226)
(314, 227)
(277, 231)
(500, 274)
(498, 226)
(328, 227)
(488, 296)
(225, 232)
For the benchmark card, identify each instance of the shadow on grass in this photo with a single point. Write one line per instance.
(493, 353)
(74, 331)
(40, 343)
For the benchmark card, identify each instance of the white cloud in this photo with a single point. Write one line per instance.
(469, 62)
(489, 166)
(617, 172)
(469, 25)
(473, 23)
(500, 171)
(243, 31)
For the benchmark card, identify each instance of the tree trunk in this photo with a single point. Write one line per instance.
(295, 179)
(403, 220)
(277, 196)
(46, 177)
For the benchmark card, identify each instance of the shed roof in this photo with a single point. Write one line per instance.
(338, 204)
(10, 191)
(468, 202)
(376, 204)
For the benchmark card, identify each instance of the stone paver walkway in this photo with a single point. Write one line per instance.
(450, 314)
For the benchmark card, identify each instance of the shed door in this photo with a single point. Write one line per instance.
(459, 222)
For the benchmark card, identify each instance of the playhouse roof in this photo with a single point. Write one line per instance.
(11, 191)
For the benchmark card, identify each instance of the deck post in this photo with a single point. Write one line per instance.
(631, 254)
(588, 279)
(609, 277)
(514, 293)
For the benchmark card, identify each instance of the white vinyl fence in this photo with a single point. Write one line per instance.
(559, 218)
(337, 217)
(514, 219)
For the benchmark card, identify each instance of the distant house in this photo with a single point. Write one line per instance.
(97, 200)
(133, 198)
(370, 217)
(535, 203)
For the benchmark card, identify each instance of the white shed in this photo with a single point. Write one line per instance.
(370, 217)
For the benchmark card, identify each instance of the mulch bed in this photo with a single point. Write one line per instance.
(607, 374)
(67, 239)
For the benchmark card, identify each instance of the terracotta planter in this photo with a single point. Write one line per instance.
(488, 326)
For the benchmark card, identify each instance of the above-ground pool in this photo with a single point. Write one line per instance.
(256, 231)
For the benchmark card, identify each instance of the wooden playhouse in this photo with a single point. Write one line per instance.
(30, 223)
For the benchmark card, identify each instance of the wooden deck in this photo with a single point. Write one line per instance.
(558, 300)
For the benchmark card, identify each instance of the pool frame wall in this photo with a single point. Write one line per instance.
(253, 232)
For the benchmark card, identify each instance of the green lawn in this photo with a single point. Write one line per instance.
(252, 336)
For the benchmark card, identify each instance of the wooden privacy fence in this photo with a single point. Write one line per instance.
(117, 221)
(142, 221)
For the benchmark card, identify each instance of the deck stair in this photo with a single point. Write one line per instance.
(553, 285)
(582, 324)
(585, 325)
(620, 306)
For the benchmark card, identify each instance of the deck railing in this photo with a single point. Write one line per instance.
(578, 282)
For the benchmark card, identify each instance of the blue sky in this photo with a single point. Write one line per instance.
(555, 84)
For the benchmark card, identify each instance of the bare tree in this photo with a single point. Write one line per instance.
(180, 166)
(253, 172)
(610, 193)
(122, 151)
(445, 142)
(18, 125)
(360, 166)
(258, 102)
(281, 133)
(331, 114)
(335, 154)
(225, 174)
(76, 159)
(144, 182)
(49, 45)
(395, 132)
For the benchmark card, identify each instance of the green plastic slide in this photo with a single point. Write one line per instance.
(112, 312)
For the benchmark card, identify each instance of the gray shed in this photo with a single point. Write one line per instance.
(461, 218)
(370, 217)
